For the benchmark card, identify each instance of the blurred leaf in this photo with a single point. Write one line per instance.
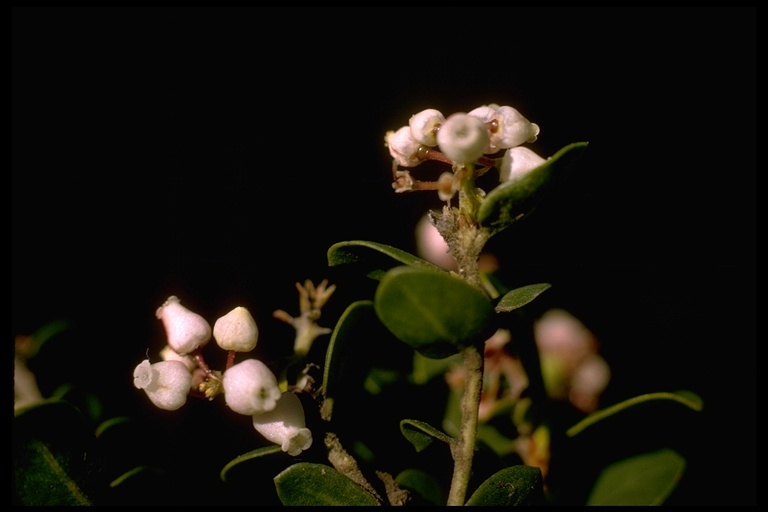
(309, 484)
(374, 259)
(378, 378)
(512, 200)
(139, 471)
(85, 400)
(53, 460)
(436, 313)
(423, 484)
(254, 454)
(500, 444)
(519, 297)
(646, 479)
(515, 485)
(425, 369)
(112, 423)
(422, 434)
(45, 333)
(686, 398)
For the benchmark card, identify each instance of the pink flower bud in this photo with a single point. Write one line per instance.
(463, 138)
(517, 162)
(237, 330)
(403, 147)
(186, 330)
(250, 387)
(424, 126)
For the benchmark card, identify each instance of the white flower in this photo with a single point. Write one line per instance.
(237, 330)
(284, 425)
(424, 126)
(166, 383)
(508, 127)
(463, 138)
(250, 387)
(186, 330)
(517, 162)
(403, 147)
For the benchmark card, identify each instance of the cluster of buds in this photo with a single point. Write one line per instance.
(249, 387)
(463, 140)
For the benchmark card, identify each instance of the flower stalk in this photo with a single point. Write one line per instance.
(463, 448)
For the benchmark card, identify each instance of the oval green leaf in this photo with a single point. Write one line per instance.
(646, 479)
(519, 297)
(436, 313)
(54, 460)
(309, 484)
(373, 258)
(512, 200)
(357, 340)
(422, 434)
(515, 485)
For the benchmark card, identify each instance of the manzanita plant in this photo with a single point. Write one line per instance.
(437, 389)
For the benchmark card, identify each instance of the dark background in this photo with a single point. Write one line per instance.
(216, 154)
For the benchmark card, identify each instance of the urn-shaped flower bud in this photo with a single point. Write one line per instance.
(507, 126)
(463, 138)
(167, 383)
(513, 129)
(186, 330)
(403, 147)
(237, 330)
(250, 387)
(285, 425)
(424, 126)
(517, 162)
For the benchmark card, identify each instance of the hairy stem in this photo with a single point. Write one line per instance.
(463, 449)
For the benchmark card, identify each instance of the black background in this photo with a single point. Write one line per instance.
(216, 154)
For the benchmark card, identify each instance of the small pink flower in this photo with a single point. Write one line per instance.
(285, 425)
(250, 387)
(167, 383)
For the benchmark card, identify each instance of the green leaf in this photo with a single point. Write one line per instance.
(308, 484)
(138, 471)
(53, 460)
(373, 258)
(512, 200)
(254, 454)
(422, 483)
(111, 424)
(422, 434)
(358, 342)
(515, 485)
(646, 479)
(519, 297)
(436, 313)
(686, 398)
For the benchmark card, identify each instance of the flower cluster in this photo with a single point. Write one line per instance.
(249, 387)
(462, 140)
